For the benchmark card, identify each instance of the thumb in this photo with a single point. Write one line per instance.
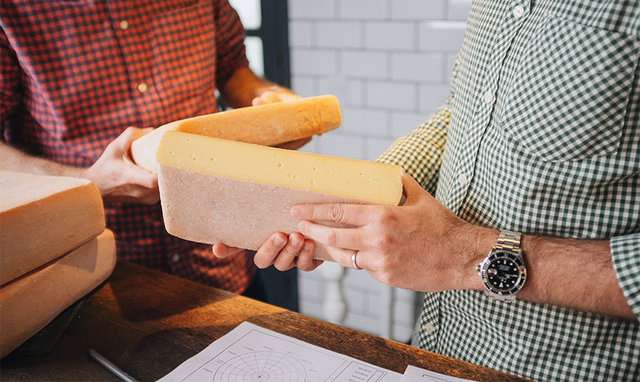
(412, 188)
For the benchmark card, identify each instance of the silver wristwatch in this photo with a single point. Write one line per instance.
(503, 272)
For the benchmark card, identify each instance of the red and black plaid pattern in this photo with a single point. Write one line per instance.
(75, 75)
(141, 238)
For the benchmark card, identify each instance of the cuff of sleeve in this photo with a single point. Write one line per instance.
(625, 252)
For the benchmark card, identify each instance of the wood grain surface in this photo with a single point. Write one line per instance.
(147, 323)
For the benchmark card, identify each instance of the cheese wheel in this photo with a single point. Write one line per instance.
(29, 303)
(219, 191)
(43, 217)
(267, 125)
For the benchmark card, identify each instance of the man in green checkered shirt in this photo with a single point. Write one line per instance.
(542, 133)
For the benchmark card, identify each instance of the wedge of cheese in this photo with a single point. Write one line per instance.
(30, 302)
(219, 191)
(267, 125)
(43, 217)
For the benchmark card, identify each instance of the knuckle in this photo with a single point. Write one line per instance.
(336, 213)
(303, 264)
(129, 131)
(332, 237)
(290, 251)
(282, 264)
(387, 279)
(381, 243)
(382, 216)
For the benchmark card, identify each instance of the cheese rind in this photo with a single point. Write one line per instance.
(218, 191)
(43, 217)
(267, 125)
(30, 302)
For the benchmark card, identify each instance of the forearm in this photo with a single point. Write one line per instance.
(576, 274)
(18, 161)
(572, 273)
(117, 177)
(243, 87)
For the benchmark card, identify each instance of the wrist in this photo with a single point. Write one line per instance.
(479, 247)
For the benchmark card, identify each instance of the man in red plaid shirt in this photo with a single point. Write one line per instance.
(75, 75)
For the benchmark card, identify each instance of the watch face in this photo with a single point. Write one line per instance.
(504, 273)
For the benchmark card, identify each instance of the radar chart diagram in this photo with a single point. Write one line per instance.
(261, 366)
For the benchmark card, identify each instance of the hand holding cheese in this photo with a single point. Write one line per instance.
(268, 124)
(417, 246)
(220, 191)
(115, 174)
(275, 94)
(120, 180)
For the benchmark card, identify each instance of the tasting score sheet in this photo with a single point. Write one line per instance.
(252, 353)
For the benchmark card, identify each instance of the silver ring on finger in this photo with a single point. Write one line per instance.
(353, 261)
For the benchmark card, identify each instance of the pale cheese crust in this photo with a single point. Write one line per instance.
(43, 217)
(267, 125)
(30, 302)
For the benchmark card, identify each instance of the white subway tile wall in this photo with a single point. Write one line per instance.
(389, 63)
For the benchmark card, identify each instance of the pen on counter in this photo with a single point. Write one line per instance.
(111, 367)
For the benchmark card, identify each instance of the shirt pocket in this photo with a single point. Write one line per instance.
(571, 91)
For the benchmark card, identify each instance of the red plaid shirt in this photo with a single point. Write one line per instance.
(75, 74)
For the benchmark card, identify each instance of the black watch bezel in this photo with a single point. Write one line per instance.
(498, 255)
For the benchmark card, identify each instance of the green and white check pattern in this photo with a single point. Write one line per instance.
(542, 133)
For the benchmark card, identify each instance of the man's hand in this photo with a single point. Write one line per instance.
(275, 94)
(280, 251)
(118, 178)
(420, 245)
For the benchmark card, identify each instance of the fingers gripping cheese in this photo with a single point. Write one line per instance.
(219, 191)
(267, 125)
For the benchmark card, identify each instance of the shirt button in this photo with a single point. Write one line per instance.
(463, 179)
(175, 257)
(124, 24)
(429, 328)
(142, 87)
(518, 11)
(488, 97)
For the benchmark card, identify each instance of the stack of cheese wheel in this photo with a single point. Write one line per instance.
(54, 249)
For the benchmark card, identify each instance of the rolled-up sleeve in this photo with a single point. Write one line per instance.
(625, 252)
(420, 152)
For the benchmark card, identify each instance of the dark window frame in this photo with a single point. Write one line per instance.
(274, 33)
(281, 288)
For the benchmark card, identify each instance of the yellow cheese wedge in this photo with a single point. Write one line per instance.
(43, 217)
(219, 191)
(267, 125)
(30, 302)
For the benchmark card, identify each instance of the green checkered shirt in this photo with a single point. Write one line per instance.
(542, 133)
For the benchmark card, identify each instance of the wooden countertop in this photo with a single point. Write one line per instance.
(147, 323)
